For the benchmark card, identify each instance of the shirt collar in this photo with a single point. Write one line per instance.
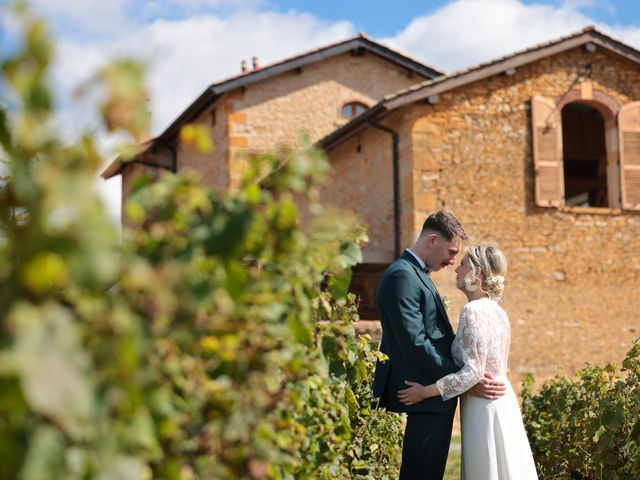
(420, 261)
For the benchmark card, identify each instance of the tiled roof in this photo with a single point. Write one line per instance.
(116, 167)
(212, 92)
(361, 40)
(428, 88)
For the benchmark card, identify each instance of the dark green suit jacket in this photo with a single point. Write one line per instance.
(416, 336)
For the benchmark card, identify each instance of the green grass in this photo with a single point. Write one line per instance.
(452, 471)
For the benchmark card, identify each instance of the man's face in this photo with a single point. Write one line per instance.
(442, 252)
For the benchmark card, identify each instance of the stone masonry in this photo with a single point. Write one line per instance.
(277, 112)
(574, 273)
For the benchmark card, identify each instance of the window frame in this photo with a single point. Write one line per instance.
(546, 117)
(353, 104)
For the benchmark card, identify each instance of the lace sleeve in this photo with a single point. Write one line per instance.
(474, 354)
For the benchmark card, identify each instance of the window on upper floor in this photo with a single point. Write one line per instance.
(353, 109)
(584, 156)
(586, 152)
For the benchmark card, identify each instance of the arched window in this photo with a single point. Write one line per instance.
(586, 151)
(584, 156)
(353, 109)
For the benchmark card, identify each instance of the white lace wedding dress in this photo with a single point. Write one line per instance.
(494, 441)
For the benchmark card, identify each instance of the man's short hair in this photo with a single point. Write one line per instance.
(445, 224)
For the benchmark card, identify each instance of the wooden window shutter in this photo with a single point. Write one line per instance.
(547, 152)
(629, 138)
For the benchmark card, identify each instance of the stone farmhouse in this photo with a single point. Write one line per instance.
(264, 109)
(538, 152)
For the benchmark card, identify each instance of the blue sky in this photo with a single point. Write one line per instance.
(380, 18)
(189, 44)
(385, 18)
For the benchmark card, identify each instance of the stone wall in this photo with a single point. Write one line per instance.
(133, 170)
(362, 181)
(280, 108)
(129, 173)
(571, 291)
(574, 274)
(276, 112)
(213, 166)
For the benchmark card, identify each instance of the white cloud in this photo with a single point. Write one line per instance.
(184, 56)
(191, 6)
(191, 44)
(466, 32)
(187, 56)
(86, 18)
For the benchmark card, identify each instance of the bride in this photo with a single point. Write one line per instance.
(494, 441)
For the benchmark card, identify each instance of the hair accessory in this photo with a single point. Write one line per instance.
(494, 280)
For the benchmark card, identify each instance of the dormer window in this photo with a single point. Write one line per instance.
(353, 109)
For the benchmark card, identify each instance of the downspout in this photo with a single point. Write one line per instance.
(174, 157)
(395, 155)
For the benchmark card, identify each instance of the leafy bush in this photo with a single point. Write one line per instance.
(588, 428)
(201, 346)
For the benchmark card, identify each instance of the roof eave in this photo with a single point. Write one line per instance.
(215, 90)
(192, 111)
(313, 57)
(447, 83)
(356, 125)
(115, 168)
(403, 60)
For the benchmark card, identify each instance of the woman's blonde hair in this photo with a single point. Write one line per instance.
(493, 265)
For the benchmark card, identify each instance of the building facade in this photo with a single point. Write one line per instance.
(265, 109)
(538, 152)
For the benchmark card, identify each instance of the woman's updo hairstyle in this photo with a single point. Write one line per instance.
(493, 265)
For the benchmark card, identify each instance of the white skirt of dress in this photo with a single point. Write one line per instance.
(494, 441)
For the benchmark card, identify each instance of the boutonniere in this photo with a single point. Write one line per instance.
(447, 302)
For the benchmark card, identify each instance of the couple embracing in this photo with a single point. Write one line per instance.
(429, 366)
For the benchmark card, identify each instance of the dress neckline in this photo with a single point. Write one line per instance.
(480, 299)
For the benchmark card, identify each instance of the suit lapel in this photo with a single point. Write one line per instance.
(432, 288)
(426, 280)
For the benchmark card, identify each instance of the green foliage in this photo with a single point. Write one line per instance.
(375, 447)
(201, 345)
(590, 427)
(454, 460)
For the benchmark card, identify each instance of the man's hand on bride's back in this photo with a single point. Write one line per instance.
(488, 388)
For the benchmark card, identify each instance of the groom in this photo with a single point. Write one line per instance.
(417, 337)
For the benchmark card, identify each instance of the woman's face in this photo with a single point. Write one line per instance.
(462, 271)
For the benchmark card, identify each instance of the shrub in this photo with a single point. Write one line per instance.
(588, 428)
(202, 345)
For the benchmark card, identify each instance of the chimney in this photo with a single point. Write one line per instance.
(256, 66)
(244, 67)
